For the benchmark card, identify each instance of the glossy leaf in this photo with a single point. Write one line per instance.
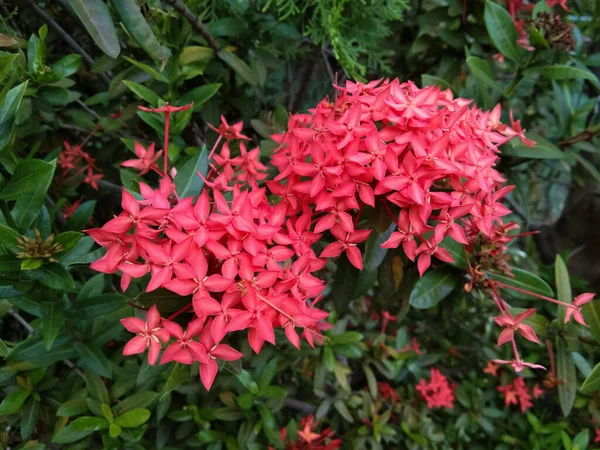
(592, 382)
(501, 28)
(14, 401)
(563, 288)
(239, 67)
(179, 374)
(591, 314)
(561, 72)
(523, 280)
(89, 423)
(133, 418)
(29, 417)
(144, 93)
(141, 399)
(432, 288)
(54, 276)
(94, 359)
(565, 370)
(199, 95)
(187, 181)
(8, 112)
(483, 71)
(96, 19)
(52, 322)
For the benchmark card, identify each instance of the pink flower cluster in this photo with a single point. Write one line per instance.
(420, 150)
(518, 393)
(437, 392)
(247, 259)
(74, 161)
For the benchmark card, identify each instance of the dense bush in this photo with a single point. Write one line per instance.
(352, 255)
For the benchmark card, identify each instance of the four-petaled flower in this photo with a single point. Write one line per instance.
(513, 324)
(149, 335)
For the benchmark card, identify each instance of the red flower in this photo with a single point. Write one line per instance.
(146, 159)
(575, 310)
(149, 335)
(166, 108)
(513, 324)
(515, 393)
(437, 392)
(229, 131)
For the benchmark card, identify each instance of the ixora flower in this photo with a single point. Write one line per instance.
(437, 392)
(245, 252)
(149, 335)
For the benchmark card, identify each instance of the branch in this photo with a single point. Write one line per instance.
(66, 36)
(196, 23)
(585, 135)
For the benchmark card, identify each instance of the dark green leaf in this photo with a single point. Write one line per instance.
(96, 18)
(72, 408)
(561, 72)
(592, 382)
(68, 435)
(96, 306)
(430, 80)
(144, 93)
(52, 322)
(94, 359)
(187, 181)
(199, 95)
(29, 417)
(523, 280)
(54, 95)
(483, 71)
(435, 285)
(565, 370)
(68, 239)
(179, 374)
(81, 217)
(8, 112)
(141, 399)
(54, 276)
(501, 29)
(8, 238)
(66, 66)
(457, 251)
(374, 253)
(134, 21)
(344, 285)
(238, 66)
(591, 314)
(563, 288)
(96, 387)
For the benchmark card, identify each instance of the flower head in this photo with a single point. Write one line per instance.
(149, 335)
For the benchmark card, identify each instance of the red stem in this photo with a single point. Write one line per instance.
(181, 311)
(137, 306)
(533, 294)
(166, 142)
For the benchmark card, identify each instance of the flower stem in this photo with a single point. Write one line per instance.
(533, 294)
(166, 142)
(181, 311)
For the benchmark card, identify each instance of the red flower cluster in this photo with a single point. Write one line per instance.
(421, 150)
(247, 260)
(387, 392)
(438, 392)
(518, 393)
(77, 162)
(309, 439)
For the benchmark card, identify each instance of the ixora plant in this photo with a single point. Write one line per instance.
(249, 249)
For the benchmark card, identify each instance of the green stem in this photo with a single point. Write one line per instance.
(9, 218)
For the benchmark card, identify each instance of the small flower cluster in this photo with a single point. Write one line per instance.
(75, 161)
(437, 392)
(419, 150)
(518, 393)
(520, 11)
(309, 439)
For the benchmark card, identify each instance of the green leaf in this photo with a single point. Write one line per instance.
(563, 288)
(523, 280)
(8, 112)
(199, 95)
(97, 306)
(371, 381)
(82, 215)
(501, 28)
(96, 387)
(9, 263)
(543, 149)
(6, 63)
(433, 287)
(565, 370)
(430, 80)
(158, 76)
(144, 93)
(96, 19)
(14, 401)
(133, 418)
(195, 55)
(561, 72)
(135, 23)
(341, 407)
(54, 95)
(3, 349)
(54, 276)
(457, 251)
(33, 350)
(66, 66)
(8, 238)
(539, 7)
(29, 417)
(114, 430)
(52, 322)
(68, 239)
(179, 374)
(483, 71)
(591, 314)
(537, 39)
(141, 399)
(68, 435)
(187, 181)
(374, 253)
(592, 382)
(72, 407)
(89, 423)
(238, 66)
(94, 359)
(28, 186)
